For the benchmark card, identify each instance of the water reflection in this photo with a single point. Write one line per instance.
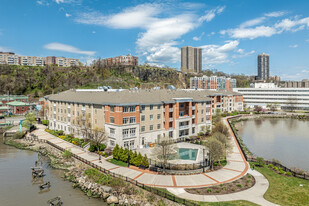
(284, 139)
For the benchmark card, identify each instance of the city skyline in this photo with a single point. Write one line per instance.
(231, 35)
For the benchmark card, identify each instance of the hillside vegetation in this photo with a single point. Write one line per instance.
(46, 80)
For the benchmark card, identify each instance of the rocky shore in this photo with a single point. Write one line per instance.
(116, 192)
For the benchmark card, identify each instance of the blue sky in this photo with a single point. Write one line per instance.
(231, 32)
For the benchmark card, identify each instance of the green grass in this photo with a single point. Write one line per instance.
(117, 162)
(285, 190)
(229, 203)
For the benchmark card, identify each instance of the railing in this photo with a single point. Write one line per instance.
(177, 168)
(193, 107)
(112, 134)
(170, 109)
(132, 181)
(170, 119)
(184, 126)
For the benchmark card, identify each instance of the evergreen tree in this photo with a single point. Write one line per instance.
(121, 154)
(139, 160)
(130, 156)
(125, 155)
(116, 152)
(145, 161)
(133, 159)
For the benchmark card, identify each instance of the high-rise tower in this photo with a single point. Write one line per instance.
(263, 66)
(191, 59)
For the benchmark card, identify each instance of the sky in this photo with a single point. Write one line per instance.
(231, 32)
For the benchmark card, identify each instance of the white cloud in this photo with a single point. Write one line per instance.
(252, 22)
(294, 46)
(252, 29)
(307, 40)
(42, 3)
(210, 14)
(158, 40)
(242, 53)
(5, 49)
(198, 38)
(93, 32)
(67, 15)
(67, 1)
(275, 14)
(67, 48)
(216, 54)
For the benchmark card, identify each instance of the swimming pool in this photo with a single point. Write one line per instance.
(187, 154)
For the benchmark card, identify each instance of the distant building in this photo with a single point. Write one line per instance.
(297, 84)
(127, 60)
(17, 107)
(274, 78)
(31, 60)
(13, 59)
(268, 93)
(263, 67)
(10, 98)
(191, 59)
(9, 58)
(213, 82)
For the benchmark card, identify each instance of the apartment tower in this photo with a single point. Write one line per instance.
(263, 67)
(191, 59)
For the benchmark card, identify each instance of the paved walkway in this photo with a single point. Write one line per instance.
(254, 194)
(236, 167)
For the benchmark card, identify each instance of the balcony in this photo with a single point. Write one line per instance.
(184, 127)
(170, 129)
(83, 118)
(69, 106)
(112, 134)
(83, 109)
(55, 112)
(193, 116)
(193, 107)
(193, 125)
(69, 115)
(170, 109)
(69, 123)
(207, 113)
(170, 119)
(208, 121)
(127, 136)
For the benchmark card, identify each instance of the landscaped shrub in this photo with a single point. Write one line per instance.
(76, 141)
(270, 166)
(281, 172)
(45, 122)
(68, 138)
(260, 161)
(92, 148)
(288, 173)
(84, 144)
(276, 168)
(61, 137)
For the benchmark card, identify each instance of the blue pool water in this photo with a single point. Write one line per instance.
(187, 154)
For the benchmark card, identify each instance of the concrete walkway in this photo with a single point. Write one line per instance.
(254, 194)
(236, 167)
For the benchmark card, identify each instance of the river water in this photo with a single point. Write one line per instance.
(18, 189)
(286, 140)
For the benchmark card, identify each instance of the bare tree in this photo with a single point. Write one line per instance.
(165, 147)
(98, 137)
(216, 150)
(83, 123)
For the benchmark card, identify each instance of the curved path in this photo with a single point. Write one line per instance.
(253, 194)
(236, 166)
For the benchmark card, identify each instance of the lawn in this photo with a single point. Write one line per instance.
(118, 162)
(285, 190)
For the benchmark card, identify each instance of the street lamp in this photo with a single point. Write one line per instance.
(203, 160)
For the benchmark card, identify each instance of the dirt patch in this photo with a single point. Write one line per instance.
(241, 184)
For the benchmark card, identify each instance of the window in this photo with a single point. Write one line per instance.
(159, 106)
(125, 120)
(151, 127)
(125, 109)
(202, 119)
(143, 107)
(132, 144)
(112, 143)
(112, 120)
(193, 130)
(125, 133)
(112, 108)
(158, 116)
(126, 144)
(143, 129)
(132, 132)
(95, 120)
(151, 107)
(159, 126)
(181, 113)
(151, 117)
(143, 118)
(182, 105)
(111, 131)
(202, 111)
(132, 108)
(132, 120)
(95, 111)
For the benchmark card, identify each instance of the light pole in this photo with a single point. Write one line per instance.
(203, 160)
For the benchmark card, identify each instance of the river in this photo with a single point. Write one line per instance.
(18, 189)
(286, 140)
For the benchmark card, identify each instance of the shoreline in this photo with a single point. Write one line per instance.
(74, 171)
(250, 157)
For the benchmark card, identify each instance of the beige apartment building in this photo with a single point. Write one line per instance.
(66, 62)
(31, 60)
(132, 118)
(9, 58)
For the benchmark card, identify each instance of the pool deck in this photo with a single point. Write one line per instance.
(236, 166)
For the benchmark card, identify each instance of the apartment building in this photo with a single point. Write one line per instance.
(9, 58)
(191, 59)
(268, 93)
(31, 60)
(297, 84)
(127, 60)
(66, 62)
(10, 98)
(213, 82)
(133, 118)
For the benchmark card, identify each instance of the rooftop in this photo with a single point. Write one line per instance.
(134, 97)
(17, 103)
